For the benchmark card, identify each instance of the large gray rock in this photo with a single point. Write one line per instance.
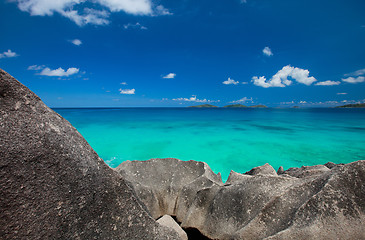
(53, 185)
(168, 186)
(304, 203)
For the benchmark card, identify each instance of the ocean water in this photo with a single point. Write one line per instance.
(226, 139)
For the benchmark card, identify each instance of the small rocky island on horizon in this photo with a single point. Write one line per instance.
(356, 105)
(55, 186)
(228, 106)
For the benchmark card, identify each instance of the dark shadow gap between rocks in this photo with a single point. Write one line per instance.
(195, 234)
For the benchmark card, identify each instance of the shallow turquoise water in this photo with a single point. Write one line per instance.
(226, 139)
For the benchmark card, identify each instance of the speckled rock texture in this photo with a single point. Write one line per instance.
(53, 185)
(301, 203)
(168, 221)
(168, 186)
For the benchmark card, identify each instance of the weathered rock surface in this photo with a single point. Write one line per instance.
(302, 203)
(53, 185)
(168, 186)
(168, 221)
(266, 169)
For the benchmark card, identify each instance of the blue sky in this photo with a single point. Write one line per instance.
(147, 53)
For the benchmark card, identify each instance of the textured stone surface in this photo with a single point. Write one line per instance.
(53, 185)
(168, 186)
(306, 171)
(266, 169)
(303, 203)
(168, 221)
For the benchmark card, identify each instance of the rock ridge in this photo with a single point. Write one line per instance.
(311, 202)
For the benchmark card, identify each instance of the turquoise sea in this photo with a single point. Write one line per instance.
(226, 139)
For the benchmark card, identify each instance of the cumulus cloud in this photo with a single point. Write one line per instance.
(354, 79)
(76, 42)
(161, 10)
(230, 81)
(75, 10)
(8, 54)
(328, 83)
(341, 93)
(134, 25)
(127, 91)
(89, 16)
(267, 51)
(36, 67)
(59, 72)
(123, 83)
(170, 76)
(280, 79)
(356, 73)
(193, 98)
(243, 100)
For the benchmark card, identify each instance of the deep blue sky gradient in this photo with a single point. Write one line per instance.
(203, 42)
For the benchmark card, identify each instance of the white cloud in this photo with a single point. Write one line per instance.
(123, 83)
(59, 72)
(134, 25)
(280, 79)
(328, 83)
(243, 100)
(127, 91)
(36, 67)
(8, 54)
(230, 81)
(193, 98)
(135, 7)
(341, 93)
(90, 16)
(354, 79)
(170, 76)
(76, 42)
(356, 73)
(75, 10)
(161, 10)
(267, 51)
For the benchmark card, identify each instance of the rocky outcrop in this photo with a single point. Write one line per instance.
(301, 203)
(168, 186)
(53, 185)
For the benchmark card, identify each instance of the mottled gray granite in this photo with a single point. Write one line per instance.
(313, 202)
(53, 184)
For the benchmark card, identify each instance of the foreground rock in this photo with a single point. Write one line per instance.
(168, 186)
(53, 185)
(301, 203)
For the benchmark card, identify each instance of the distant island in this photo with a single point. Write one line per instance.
(356, 105)
(204, 106)
(228, 106)
(258, 106)
(236, 106)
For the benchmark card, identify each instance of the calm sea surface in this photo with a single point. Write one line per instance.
(237, 139)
